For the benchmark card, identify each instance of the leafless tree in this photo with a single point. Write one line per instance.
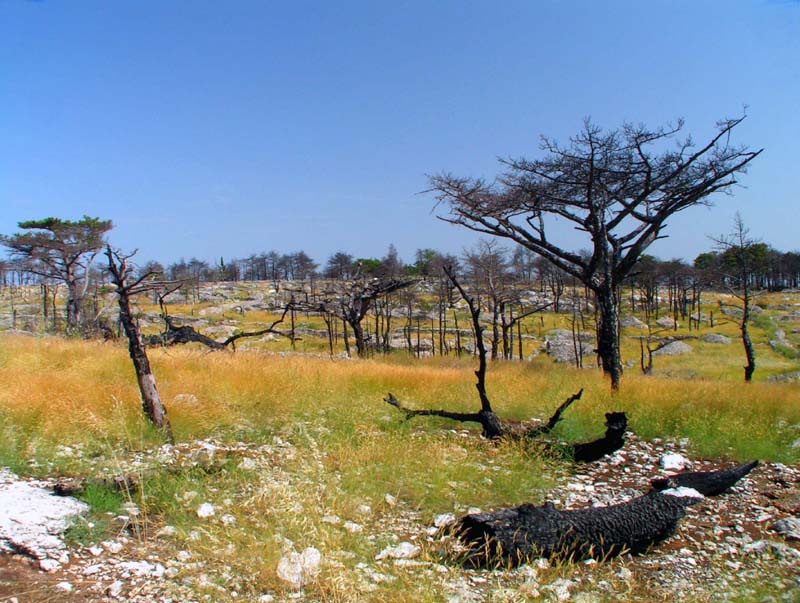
(351, 300)
(486, 417)
(618, 187)
(126, 287)
(742, 252)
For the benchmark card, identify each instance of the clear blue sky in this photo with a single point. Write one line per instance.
(207, 128)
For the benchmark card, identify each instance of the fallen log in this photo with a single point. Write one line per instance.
(707, 483)
(512, 536)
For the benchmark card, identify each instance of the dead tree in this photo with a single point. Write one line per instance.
(741, 254)
(619, 188)
(509, 537)
(151, 402)
(707, 483)
(486, 417)
(175, 334)
(351, 301)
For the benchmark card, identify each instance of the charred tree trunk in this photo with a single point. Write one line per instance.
(608, 334)
(510, 537)
(151, 401)
(486, 417)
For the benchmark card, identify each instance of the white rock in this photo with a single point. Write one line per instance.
(31, 519)
(682, 492)
(96, 551)
(298, 568)
(167, 531)
(112, 546)
(331, 519)
(115, 589)
(390, 500)
(49, 565)
(205, 510)
(353, 527)
(183, 556)
(404, 550)
(674, 462)
(138, 568)
(266, 599)
(560, 589)
(443, 520)
(247, 464)
(65, 587)
(789, 528)
(91, 570)
(228, 520)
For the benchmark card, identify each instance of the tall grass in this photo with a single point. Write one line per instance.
(58, 391)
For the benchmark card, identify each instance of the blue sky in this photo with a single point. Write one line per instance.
(206, 128)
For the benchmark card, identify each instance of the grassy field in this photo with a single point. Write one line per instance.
(327, 446)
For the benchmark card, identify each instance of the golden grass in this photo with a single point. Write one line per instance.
(60, 391)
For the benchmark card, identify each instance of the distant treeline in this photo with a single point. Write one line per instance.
(770, 269)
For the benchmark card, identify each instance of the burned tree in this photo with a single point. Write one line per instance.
(121, 271)
(176, 334)
(739, 259)
(510, 537)
(352, 300)
(619, 188)
(486, 417)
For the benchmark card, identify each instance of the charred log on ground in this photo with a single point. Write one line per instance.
(707, 483)
(512, 536)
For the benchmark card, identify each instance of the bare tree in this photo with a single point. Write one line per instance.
(351, 300)
(741, 252)
(121, 273)
(486, 417)
(617, 187)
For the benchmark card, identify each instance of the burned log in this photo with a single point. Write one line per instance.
(707, 483)
(512, 536)
(613, 440)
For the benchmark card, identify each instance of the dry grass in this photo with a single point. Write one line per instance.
(328, 446)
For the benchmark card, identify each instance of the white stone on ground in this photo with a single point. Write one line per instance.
(32, 518)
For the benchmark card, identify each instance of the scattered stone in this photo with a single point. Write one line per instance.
(716, 338)
(228, 520)
(674, 462)
(390, 500)
(666, 322)
(115, 589)
(560, 589)
(247, 464)
(31, 520)
(167, 532)
(297, 569)
(788, 527)
(632, 322)
(674, 348)
(205, 510)
(404, 550)
(353, 527)
(65, 587)
(444, 520)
